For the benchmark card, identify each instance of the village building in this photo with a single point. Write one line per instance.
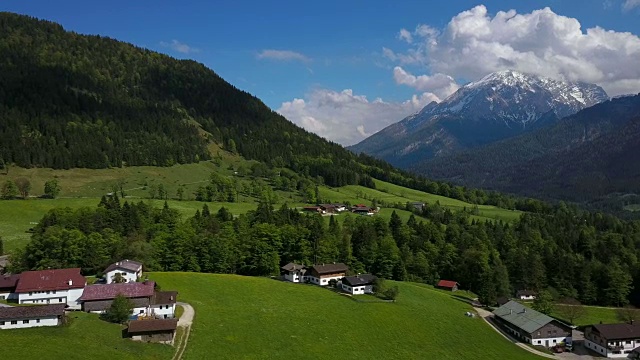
(153, 330)
(328, 208)
(8, 285)
(613, 340)
(448, 285)
(340, 207)
(360, 284)
(531, 326)
(313, 209)
(130, 271)
(294, 272)
(146, 301)
(362, 209)
(59, 286)
(322, 274)
(526, 295)
(20, 317)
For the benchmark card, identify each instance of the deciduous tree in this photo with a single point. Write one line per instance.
(52, 188)
(24, 187)
(119, 311)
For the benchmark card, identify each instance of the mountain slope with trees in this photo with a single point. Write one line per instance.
(585, 156)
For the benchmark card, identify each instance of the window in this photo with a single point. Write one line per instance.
(59, 299)
(54, 291)
(38, 321)
(628, 342)
(1, 322)
(30, 293)
(48, 292)
(14, 322)
(141, 311)
(25, 321)
(554, 341)
(539, 342)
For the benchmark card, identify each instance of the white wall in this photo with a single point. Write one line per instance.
(527, 297)
(44, 297)
(358, 290)
(33, 322)
(293, 277)
(162, 310)
(325, 280)
(72, 298)
(130, 276)
(608, 353)
(553, 341)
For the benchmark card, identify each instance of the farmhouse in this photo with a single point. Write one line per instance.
(613, 340)
(130, 271)
(315, 209)
(146, 301)
(340, 207)
(294, 272)
(531, 326)
(448, 285)
(322, 274)
(60, 286)
(362, 209)
(8, 285)
(20, 317)
(327, 208)
(154, 330)
(360, 284)
(526, 295)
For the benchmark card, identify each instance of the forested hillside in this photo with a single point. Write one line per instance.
(591, 257)
(585, 156)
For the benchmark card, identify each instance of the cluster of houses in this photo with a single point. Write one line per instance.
(332, 209)
(327, 274)
(59, 290)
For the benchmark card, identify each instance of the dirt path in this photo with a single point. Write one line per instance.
(185, 322)
(485, 316)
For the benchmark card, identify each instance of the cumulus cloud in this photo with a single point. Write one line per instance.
(630, 4)
(348, 118)
(405, 35)
(474, 43)
(176, 45)
(440, 84)
(282, 55)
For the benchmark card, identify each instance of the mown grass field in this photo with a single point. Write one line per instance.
(259, 318)
(593, 315)
(86, 337)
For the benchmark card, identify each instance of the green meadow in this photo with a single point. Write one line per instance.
(260, 318)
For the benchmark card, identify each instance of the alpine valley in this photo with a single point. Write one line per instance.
(499, 106)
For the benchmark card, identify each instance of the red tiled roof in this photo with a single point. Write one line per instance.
(110, 291)
(447, 283)
(57, 279)
(9, 281)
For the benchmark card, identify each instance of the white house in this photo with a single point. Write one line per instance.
(163, 304)
(612, 340)
(20, 317)
(130, 270)
(531, 326)
(8, 285)
(294, 272)
(59, 286)
(526, 295)
(361, 284)
(322, 274)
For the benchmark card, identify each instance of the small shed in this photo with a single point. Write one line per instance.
(448, 285)
(154, 330)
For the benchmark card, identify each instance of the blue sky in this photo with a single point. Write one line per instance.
(344, 69)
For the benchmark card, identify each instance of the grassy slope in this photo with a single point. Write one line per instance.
(86, 337)
(593, 315)
(247, 318)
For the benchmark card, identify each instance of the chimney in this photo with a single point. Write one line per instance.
(70, 282)
(510, 311)
(171, 298)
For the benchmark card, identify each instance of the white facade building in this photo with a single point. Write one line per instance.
(324, 273)
(8, 285)
(59, 286)
(527, 295)
(294, 272)
(612, 340)
(358, 285)
(20, 317)
(130, 271)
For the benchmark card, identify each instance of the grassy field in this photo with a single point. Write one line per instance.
(259, 318)
(86, 337)
(593, 315)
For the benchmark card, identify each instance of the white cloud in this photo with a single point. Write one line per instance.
(176, 45)
(630, 4)
(283, 55)
(347, 118)
(542, 42)
(405, 35)
(440, 84)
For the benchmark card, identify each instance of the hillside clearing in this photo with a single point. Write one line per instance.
(248, 317)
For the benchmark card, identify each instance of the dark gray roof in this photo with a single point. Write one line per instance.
(522, 317)
(330, 268)
(29, 312)
(292, 267)
(364, 279)
(618, 331)
(526, 293)
(125, 265)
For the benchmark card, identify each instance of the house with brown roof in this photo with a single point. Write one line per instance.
(613, 340)
(146, 301)
(359, 284)
(526, 295)
(58, 286)
(128, 270)
(8, 285)
(154, 330)
(322, 274)
(20, 317)
(448, 285)
(294, 272)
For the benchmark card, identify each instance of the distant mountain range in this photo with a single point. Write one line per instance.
(499, 106)
(586, 156)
